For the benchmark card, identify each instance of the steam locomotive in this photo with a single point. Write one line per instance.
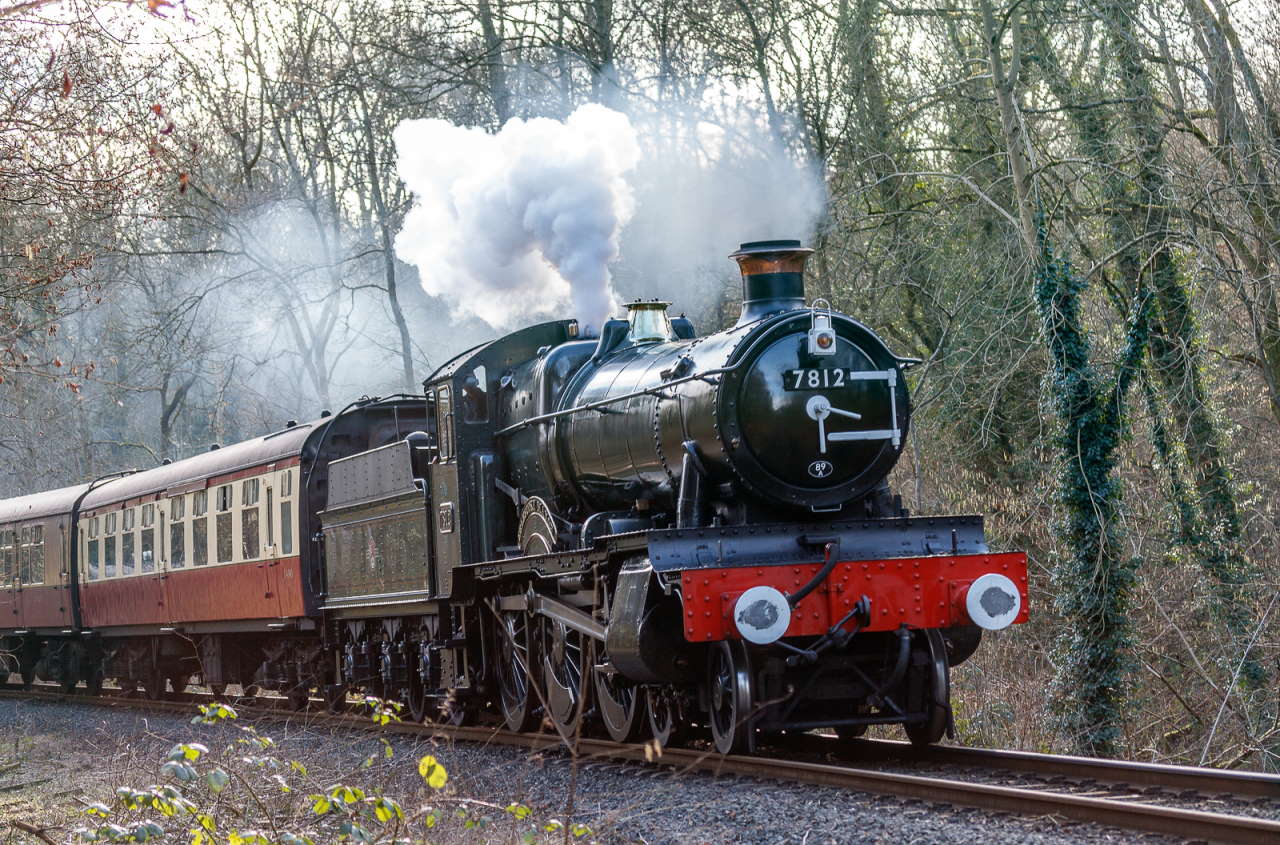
(645, 532)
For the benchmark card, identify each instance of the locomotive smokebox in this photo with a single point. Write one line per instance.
(772, 277)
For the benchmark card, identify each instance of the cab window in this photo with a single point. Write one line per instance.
(444, 423)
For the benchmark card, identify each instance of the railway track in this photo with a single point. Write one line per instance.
(1141, 812)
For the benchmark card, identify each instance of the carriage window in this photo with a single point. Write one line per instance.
(91, 560)
(36, 550)
(286, 528)
(286, 483)
(148, 515)
(177, 544)
(128, 547)
(148, 556)
(31, 555)
(6, 557)
(199, 503)
(177, 532)
(200, 540)
(249, 492)
(271, 521)
(127, 520)
(223, 528)
(444, 423)
(93, 527)
(224, 497)
(475, 396)
(249, 533)
(109, 547)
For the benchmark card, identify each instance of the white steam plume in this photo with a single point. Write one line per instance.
(518, 224)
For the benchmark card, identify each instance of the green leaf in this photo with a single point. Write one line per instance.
(217, 780)
(520, 811)
(432, 772)
(320, 804)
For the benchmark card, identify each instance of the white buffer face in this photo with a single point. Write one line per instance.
(993, 601)
(762, 615)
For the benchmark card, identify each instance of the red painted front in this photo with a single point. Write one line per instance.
(259, 590)
(925, 592)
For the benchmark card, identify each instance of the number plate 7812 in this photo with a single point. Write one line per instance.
(816, 378)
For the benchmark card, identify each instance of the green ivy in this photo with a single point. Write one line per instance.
(1095, 577)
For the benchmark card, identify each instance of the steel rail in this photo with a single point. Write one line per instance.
(1130, 815)
(1132, 773)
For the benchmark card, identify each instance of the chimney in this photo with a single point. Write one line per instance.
(772, 277)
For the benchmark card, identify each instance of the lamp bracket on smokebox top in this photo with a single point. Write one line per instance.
(822, 336)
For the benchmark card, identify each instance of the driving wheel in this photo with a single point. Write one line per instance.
(621, 706)
(563, 658)
(517, 681)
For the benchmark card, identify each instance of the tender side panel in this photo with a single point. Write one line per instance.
(920, 592)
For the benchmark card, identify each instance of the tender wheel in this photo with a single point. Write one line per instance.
(729, 685)
(622, 706)
(415, 701)
(937, 694)
(179, 683)
(93, 683)
(665, 715)
(219, 690)
(153, 686)
(299, 698)
(249, 694)
(563, 659)
(454, 713)
(517, 679)
(335, 698)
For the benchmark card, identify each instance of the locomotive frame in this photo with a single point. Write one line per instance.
(645, 532)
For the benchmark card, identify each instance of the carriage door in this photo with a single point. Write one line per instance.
(9, 580)
(446, 522)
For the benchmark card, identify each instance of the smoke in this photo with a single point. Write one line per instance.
(521, 223)
(545, 215)
(705, 183)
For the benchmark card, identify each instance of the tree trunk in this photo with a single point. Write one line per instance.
(1095, 578)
